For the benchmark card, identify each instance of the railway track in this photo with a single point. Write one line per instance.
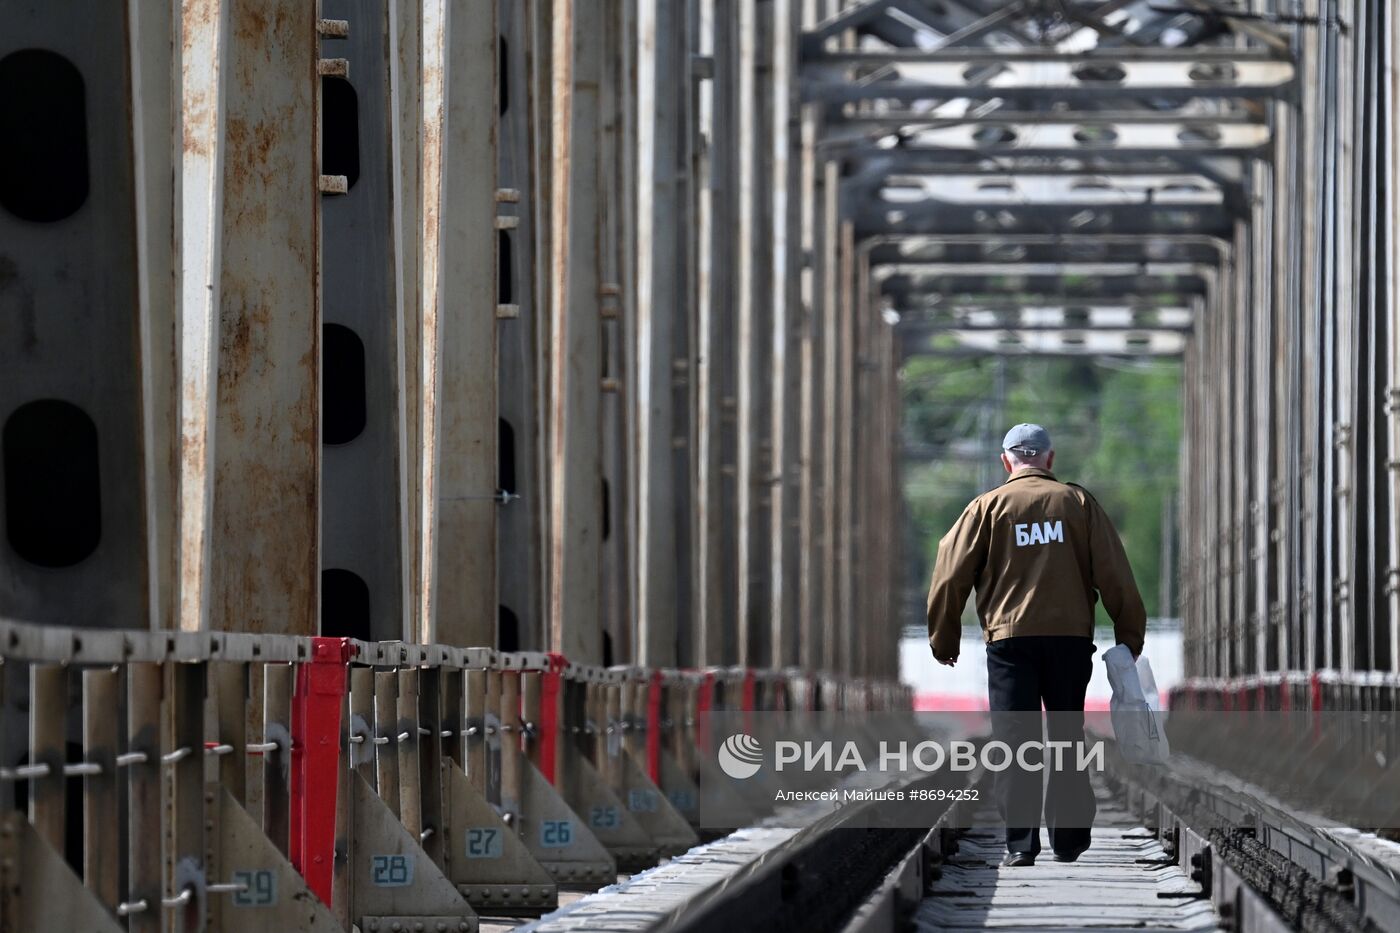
(1261, 853)
(1185, 847)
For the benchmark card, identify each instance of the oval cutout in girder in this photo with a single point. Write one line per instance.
(505, 456)
(1100, 73)
(503, 75)
(343, 405)
(507, 629)
(53, 489)
(1095, 135)
(1200, 133)
(43, 136)
(993, 135)
(605, 506)
(1182, 188)
(505, 268)
(345, 605)
(340, 129)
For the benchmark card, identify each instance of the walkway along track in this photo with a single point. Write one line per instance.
(1125, 881)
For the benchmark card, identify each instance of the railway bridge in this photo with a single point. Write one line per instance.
(440, 435)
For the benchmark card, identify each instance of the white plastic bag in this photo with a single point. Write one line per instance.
(1135, 708)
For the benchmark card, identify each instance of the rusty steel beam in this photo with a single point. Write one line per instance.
(656, 313)
(560, 124)
(745, 334)
(782, 639)
(810, 198)
(406, 130)
(830, 417)
(707, 460)
(581, 345)
(151, 56)
(618, 156)
(459, 324)
(266, 458)
(203, 58)
(846, 420)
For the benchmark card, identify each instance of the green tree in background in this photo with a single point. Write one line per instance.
(1116, 426)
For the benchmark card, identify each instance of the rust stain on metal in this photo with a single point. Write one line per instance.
(199, 18)
(434, 39)
(268, 452)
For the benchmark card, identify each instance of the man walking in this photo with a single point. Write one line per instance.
(1039, 553)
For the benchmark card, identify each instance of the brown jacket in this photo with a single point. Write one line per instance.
(1036, 550)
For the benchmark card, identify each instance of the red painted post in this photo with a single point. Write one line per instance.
(316, 705)
(550, 686)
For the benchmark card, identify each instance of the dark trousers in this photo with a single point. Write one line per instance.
(1024, 673)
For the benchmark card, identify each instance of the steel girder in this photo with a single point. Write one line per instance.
(1044, 198)
(1035, 249)
(943, 271)
(1126, 58)
(1138, 219)
(1265, 82)
(924, 329)
(926, 306)
(1034, 290)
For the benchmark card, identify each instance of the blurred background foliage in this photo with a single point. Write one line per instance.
(1116, 426)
